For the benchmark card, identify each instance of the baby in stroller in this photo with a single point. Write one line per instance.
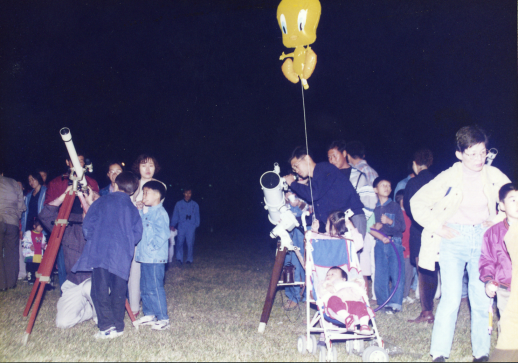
(344, 300)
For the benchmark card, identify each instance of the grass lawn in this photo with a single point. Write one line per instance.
(215, 306)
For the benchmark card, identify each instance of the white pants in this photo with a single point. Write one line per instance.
(134, 285)
(22, 272)
(75, 305)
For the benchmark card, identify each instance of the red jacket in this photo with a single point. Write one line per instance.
(59, 184)
(495, 263)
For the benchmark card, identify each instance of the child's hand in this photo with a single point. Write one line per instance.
(140, 205)
(386, 220)
(349, 224)
(32, 248)
(378, 226)
(315, 226)
(385, 240)
(491, 288)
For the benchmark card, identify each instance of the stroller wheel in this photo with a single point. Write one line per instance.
(313, 349)
(349, 346)
(359, 346)
(375, 354)
(301, 344)
(322, 354)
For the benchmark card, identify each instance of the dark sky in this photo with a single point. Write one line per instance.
(199, 85)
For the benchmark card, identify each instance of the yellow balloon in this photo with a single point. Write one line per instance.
(298, 20)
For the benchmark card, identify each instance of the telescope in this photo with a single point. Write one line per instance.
(491, 155)
(77, 172)
(273, 186)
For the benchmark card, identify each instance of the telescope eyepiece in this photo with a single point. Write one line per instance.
(64, 131)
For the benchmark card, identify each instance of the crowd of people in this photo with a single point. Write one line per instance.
(449, 231)
(449, 228)
(115, 246)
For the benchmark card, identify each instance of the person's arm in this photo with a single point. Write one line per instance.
(488, 259)
(196, 215)
(175, 217)
(397, 225)
(137, 227)
(21, 202)
(160, 231)
(379, 236)
(48, 215)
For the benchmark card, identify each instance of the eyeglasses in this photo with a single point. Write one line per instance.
(482, 155)
(115, 172)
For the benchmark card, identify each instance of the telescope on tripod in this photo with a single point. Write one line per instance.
(79, 184)
(279, 214)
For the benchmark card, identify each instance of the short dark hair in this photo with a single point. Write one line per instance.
(156, 186)
(504, 190)
(36, 175)
(115, 163)
(141, 159)
(36, 223)
(468, 136)
(298, 152)
(423, 157)
(378, 180)
(187, 188)
(344, 274)
(337, 222)
(356, 149)
(400, 195)
(127, 182)
(340, 145)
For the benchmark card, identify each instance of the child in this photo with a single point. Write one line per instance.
(152, 253)
(405, 242)
(112, 227)
(33, 245)
(345, 300)
(390, 221)
(495, 265)
(337, 226)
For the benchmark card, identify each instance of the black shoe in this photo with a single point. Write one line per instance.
(484, 358)
(188, 263)
(180, 263)
(439, 359)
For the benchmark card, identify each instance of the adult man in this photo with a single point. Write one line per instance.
(337, 155)
(55, 188)
(330, 189)
(427, 279)
(75, 304)
(11, 208)
(186, 217)
(356, 157)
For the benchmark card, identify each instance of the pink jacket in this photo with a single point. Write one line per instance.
(495, 263)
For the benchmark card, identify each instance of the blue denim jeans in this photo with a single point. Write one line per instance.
(152, 290)
(462, 251)
(293, 292)
(387, 269)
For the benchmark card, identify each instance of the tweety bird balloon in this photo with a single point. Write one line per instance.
(298, 20)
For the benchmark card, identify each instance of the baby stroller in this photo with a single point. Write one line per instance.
(322, 253)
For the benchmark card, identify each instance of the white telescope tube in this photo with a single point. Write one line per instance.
(272, 186)
(67, 138)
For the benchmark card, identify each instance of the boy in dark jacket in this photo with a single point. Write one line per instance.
(390, 221)
(112, 227)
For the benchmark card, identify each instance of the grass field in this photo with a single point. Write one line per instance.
(215, 307)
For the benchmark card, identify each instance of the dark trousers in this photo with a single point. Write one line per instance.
(428, 281)
(9, 255)
(32, 268)
(109, 298)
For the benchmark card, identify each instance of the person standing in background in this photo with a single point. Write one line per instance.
(186, 217)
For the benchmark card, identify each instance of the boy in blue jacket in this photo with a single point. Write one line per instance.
(391, 222)
(112, 227)
(152, 253)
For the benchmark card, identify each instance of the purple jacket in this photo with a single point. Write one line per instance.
(495, 263)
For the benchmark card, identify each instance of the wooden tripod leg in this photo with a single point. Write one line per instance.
(130, 313)
(268, 303)
(31, 297)
(32, 319)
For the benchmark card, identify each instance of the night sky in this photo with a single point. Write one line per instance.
(198, 84)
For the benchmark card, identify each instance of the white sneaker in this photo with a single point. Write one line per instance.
(146, 320)
(109, 333)
(161, 325)
(410, 300)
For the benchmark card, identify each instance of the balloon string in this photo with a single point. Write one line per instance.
(307, 148)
